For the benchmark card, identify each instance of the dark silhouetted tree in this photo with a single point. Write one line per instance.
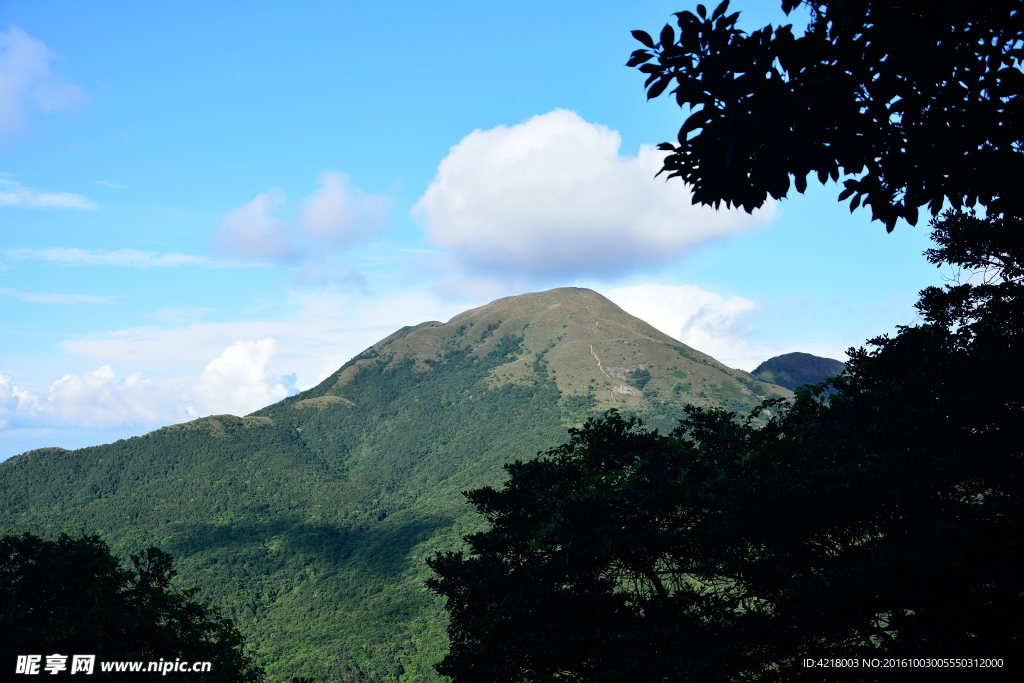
(71, 596)
(915, 102)
(878, 516)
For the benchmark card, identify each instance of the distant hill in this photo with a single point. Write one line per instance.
(309, 519)
(792, 370)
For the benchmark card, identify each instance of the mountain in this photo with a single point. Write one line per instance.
(791, 370)
(308, 520)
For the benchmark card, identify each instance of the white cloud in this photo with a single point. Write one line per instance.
(99, 399)
(252, 362)
(238, 381)
(252, 233)
(95, 399)
(191, 368)
(701, 319)
(14, 402)
(132, 258)
(26, 82)
(553, 197)
(13, 193)
(339, 215)
(52, 298)
(317, 331)
(335, 217)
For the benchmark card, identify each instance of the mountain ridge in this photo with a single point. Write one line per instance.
(791, 370)
(308, 520)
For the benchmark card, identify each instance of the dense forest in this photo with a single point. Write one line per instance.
(696, 522)
(308, 522)
(871, 529)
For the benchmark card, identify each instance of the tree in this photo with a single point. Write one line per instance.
(730, 552)
(916, 102)
(587, 570)
(72, 596)
(877, 516)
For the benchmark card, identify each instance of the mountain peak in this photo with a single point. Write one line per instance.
(791, 370)
(309, 520)
(595, 353)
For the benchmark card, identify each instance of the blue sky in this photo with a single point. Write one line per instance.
(206, 206)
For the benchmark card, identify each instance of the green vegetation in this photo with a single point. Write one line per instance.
(578, 407)
(880, 515)
(639, 378)
(792, 370)
(71, 596)
(309, 520)
(729, 552)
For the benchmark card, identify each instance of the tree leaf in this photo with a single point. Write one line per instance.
(685, 17)
(668, 36)
(720, 10)
(644, 38)
(659, 87)
(639, 57)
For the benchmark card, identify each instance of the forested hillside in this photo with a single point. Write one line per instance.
(791, 370)
(309, 520)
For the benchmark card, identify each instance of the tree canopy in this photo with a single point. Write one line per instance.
(71, 596)
(914, 102)
(878, 516)
(729, 552)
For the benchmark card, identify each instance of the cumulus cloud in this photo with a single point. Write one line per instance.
(26, 82)
(335, 217)
(94, 399)
(238, 381)
(701, 319)
(553, 196)
(13, 193)
(99, 399)
(14, 402)
(132, 258)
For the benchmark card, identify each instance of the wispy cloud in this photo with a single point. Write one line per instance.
(318, 329)
(26, 82)
(113, 184)
(334, 218)
(705, 320)
(132, 258)
(53, 298)
(182, 316)
(13, 193)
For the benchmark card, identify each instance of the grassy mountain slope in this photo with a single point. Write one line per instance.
(309, 520)
(791, 370)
